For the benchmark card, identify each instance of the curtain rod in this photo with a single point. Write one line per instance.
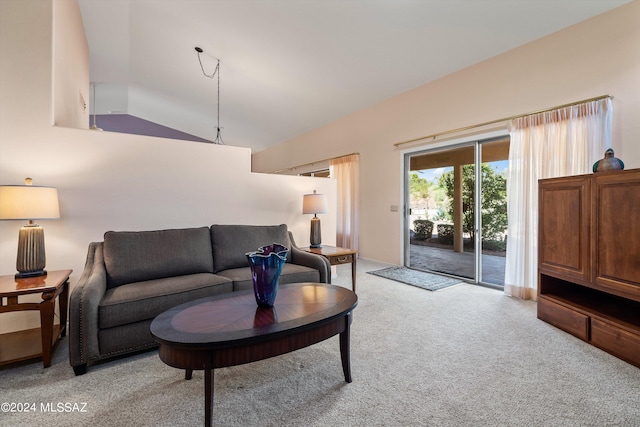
(435, 135)
(313, 163)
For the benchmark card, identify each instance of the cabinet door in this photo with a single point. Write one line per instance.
(617, 232)
(564, 227)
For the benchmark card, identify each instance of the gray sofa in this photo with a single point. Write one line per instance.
(131, 277)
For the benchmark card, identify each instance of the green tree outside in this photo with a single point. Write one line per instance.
(419, 188)
(494, 201)
(424, 193)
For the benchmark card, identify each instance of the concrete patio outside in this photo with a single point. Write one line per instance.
(457, 263)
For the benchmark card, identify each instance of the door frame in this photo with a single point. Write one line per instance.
(469, 141)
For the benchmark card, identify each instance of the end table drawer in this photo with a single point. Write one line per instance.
(564, 318)
(341, 259)
(616, 341)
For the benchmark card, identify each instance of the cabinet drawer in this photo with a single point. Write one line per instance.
(564, 318)
(616, 341)
(340, 259)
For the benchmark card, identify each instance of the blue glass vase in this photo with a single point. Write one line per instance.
(266, 265)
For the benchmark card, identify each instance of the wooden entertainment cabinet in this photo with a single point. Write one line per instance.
(589, 259)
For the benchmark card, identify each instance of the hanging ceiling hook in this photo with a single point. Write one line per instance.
(199, 50)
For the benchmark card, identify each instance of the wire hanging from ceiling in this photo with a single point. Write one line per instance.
(94, 126)
(216, 72)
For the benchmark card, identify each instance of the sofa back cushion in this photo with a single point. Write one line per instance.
(230, 243)
(135, 256)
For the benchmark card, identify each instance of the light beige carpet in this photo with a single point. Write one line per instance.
(461, 356)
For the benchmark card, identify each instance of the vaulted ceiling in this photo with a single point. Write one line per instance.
(289, 66)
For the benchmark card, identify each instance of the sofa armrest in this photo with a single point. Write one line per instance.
(320, 263)
(83, 308)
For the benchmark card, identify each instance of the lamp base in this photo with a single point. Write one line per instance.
(31, 258)
(315, 237)
(315, 246)
(28, 274)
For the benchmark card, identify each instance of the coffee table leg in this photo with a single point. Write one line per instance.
(188, 374)
(208, 395)
(345, 352)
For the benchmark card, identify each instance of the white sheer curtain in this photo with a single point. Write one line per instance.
(346, 171)
(558, 143)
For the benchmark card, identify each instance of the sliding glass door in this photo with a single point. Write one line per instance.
(446, 187)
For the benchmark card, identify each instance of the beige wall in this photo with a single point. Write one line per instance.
(110, 181)
(597, 57)
(70, 76)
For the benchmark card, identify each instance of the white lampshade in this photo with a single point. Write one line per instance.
(314, 203)
(28, 202)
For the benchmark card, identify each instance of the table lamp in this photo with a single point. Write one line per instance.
(29, 202)
(314, 204)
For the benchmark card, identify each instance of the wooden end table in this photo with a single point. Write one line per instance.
(23, 345)
(337, 256)
(230, 329)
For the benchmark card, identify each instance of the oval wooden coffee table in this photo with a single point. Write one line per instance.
(230, 329)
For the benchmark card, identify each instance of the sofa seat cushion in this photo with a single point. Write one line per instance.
(139, 301)
(134, 256)
(230, 243)
(291, 273)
